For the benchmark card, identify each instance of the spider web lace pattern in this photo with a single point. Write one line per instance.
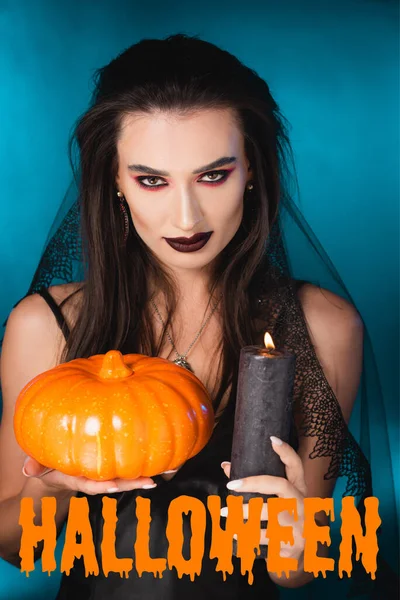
(62, 253)
(314, 402)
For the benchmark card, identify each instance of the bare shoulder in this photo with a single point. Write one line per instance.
(324, 310)
(32, 335)
(337, 332)
(33, 319)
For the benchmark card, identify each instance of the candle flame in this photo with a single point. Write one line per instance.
(268, 341)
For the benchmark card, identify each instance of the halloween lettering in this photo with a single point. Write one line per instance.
(247, 531)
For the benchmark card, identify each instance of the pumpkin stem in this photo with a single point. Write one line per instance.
(113, 366)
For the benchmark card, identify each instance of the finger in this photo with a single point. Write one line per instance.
(126, 485)
(44, 473)
(265, 484)
(264, 512)
(226, 466)
(58, 480)
(286, 549)
(293, 464)
(92, 487)
(263, 540)
(88, 486)
(33, 468)
(282, 518)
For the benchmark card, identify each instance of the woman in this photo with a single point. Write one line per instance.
(185, 141)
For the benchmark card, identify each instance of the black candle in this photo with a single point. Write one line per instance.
(263, 408)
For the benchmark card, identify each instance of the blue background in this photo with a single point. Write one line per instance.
(333, 69)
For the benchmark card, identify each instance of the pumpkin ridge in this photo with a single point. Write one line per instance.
(192, 410)
(116, 466)
(194, 420)
(110, 417)
(196, 403)
(142, 414)
(87, 366)
(70, 432)
(136, 362)
(167, 421)
(186, 400)
(24, 406)
(24, 397)
(146, 381)
(185, 374)
(97, 438)
(187, 403)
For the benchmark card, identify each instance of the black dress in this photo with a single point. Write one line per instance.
(199, 477)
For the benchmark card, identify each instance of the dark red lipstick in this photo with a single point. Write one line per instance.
(183, 244)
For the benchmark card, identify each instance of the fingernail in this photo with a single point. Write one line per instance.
(224, 511)
(23, 468)
(233, 485)
(170, 471)
(149, 486)
(275, 440)
(44, 473)
(112, 490)
(224, 463)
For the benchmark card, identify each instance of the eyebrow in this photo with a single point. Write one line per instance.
(220, 162)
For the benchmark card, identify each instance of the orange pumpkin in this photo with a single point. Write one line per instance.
(112, 416)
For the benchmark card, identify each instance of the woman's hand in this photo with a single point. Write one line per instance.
(292, 487)
(56, 480)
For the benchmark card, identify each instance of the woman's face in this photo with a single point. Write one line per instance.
(173, 189)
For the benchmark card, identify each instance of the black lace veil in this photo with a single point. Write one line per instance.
(294, 253)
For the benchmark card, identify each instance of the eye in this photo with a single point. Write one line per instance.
(222, 174)
(151, 179)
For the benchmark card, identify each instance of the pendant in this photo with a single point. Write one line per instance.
(183, 363)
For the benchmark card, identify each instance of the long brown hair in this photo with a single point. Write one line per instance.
(181, 74)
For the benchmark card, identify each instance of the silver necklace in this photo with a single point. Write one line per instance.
(181, 358)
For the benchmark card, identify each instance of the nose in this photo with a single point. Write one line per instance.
(187, 212)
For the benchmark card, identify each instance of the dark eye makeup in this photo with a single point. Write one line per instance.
(222, 173)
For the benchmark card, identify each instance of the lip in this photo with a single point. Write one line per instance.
(192, 240)
(196, 242)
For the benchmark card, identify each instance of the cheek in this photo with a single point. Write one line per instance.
(144, 217)
(232, 213)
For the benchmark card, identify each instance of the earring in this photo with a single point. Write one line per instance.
(124, 214)
(249, 186)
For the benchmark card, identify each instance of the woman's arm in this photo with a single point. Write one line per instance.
(31, 345)
(336, 332)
